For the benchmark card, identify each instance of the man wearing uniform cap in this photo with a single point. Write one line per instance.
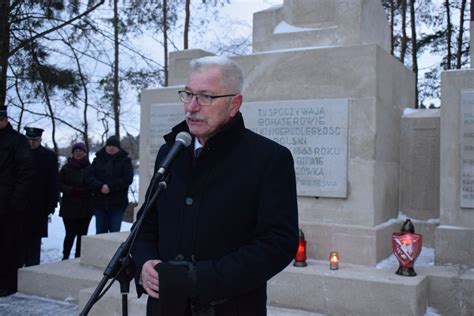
(16, 174)
(43, 197)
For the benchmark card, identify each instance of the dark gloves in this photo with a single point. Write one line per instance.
(177, 281)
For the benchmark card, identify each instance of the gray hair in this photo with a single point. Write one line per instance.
(231, 71)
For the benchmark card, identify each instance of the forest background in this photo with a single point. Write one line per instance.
(76, 67)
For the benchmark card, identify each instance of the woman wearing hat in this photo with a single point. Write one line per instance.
(76, 204)
(110, 175)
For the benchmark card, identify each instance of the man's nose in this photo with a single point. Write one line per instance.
(193, 105)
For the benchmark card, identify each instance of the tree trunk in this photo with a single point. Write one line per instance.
(414, 49)
(392, 26)
(165, 40)
(4, 48)
(22, 104)
(448, 34)
(116, 96)
(186, 24)
(460, 35)
(403, 48)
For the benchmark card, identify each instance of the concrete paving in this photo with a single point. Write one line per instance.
(21, 305)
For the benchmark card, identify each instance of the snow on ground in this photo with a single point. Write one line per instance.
(21, 305)
(52, 247)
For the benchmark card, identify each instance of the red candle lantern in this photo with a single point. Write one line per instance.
(406, 246)
(300, 257)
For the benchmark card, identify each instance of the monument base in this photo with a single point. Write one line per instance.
(355, 244)
(359, 290)
(350, 290)
(454, 245)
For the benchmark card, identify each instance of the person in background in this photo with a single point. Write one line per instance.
(228, 219)
(76, 202)
(16, 175)
(109, 176)
(42, 199)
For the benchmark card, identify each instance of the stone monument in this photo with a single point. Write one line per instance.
(322, 82)
(419, 171)
(454, 237)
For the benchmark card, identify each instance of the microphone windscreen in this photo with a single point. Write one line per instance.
(184, 138)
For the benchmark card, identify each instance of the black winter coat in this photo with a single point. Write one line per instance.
(76, 201)
(232, 211)
(16, 170)
(114, 170)
(44, 195)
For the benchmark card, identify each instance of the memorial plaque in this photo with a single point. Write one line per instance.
(467, 149)
(316, 133)
(163, 117)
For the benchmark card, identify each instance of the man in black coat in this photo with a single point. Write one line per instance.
(16, 174)
(227, 222)
(42, 199)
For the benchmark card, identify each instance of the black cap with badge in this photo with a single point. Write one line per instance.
(33, 132)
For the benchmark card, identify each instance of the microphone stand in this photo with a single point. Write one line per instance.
(119, 267)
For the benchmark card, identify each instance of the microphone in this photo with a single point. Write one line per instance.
(182, 140)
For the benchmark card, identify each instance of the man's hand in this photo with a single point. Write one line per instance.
(105, 189)
(149, 278)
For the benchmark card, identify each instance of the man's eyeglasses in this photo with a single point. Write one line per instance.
(202, 99)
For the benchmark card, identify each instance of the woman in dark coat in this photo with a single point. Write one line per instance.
(110, 175)
(76, 205)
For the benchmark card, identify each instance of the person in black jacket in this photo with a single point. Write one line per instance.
(76, 202)
(16, 175)
(227, 221)
(109, 176)
(43, 198)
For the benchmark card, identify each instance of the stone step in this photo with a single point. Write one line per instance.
(97, 250)
(111, 305)
(350, 290)
(363, 290)
(111, 302)
(58, 280)
(353, 289)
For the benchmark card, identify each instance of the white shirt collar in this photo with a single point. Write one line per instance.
(197, 144)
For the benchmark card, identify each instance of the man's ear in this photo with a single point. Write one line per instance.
(235, 105)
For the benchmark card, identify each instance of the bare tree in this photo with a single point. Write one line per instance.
(116, 95)
(460, 34)
(84, 83)
(403, 47)
(4, 47)
(47, 98)
(15, 13)
(392, 26)
(165, 40)
(449, 31)
(186, 23)
(414, 48)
